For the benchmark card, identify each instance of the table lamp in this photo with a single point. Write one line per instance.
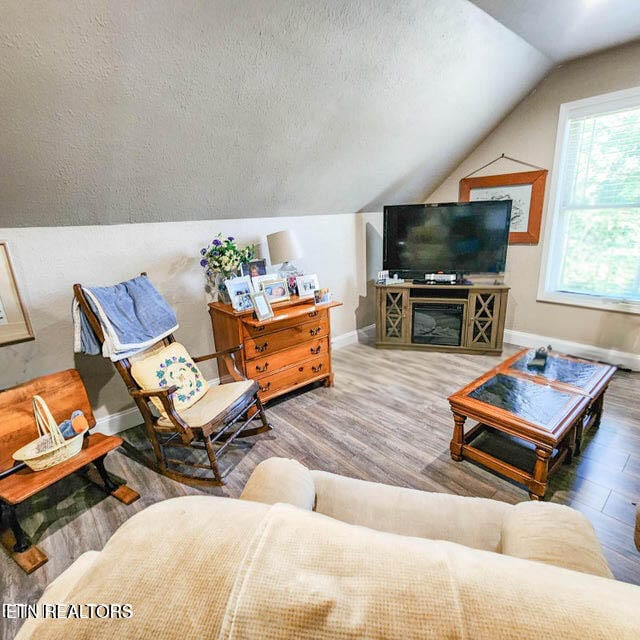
(283, 249)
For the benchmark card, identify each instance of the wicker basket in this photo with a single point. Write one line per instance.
(50, 448)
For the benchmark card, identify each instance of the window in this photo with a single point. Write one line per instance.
(592, 245)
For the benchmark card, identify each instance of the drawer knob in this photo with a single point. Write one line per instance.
(265, 387)
(260, 328)
(261, 347)
(300, 368)
(315, 350)
(316, 331)
(313, 314)
(260, 369)
(316, 368)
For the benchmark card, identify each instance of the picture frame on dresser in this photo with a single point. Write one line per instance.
(261, 305)
(254, 268)
(276, 291)
(306, 285)
(263, 278)
(239, 290)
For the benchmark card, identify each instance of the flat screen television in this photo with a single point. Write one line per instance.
(455, 237)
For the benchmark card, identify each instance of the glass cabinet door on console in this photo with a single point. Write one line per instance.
(483, 330)
(394, 319)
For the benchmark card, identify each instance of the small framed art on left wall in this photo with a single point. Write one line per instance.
(14, 320)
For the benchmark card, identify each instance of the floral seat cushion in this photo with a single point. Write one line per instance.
(171, 365)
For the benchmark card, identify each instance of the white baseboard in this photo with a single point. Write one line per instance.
(352, 337)
(121, 420)
(612, 356)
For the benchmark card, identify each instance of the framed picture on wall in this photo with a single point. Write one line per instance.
(524, 189)
(14, 320)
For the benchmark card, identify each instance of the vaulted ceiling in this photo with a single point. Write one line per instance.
(565, 29)
(147, 110)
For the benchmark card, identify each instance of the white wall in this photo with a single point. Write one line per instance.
(529, 134)
(49, 260)
(160, 110)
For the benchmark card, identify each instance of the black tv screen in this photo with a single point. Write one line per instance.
(468, 237)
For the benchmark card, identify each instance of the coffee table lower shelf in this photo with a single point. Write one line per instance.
(513, 457)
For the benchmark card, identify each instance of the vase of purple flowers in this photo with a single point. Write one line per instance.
(221, 260)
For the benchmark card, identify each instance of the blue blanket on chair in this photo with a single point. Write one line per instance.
(133, 317)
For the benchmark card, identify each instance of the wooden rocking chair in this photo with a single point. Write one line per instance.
(218, 412)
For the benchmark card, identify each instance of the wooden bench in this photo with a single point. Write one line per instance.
(64, 392)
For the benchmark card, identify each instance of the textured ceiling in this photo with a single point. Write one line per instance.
(565, 29)
(142, 111)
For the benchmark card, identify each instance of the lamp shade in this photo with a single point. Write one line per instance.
(283, 247)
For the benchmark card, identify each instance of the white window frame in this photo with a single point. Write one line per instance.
(551, 250)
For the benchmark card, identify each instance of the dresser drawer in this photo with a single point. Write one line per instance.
(260, 367)
(266, 345)
(314, 315)
(294, 376)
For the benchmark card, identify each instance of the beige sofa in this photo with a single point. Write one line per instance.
(371, 561)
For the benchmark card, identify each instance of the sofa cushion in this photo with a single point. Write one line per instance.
(171, 365)
(243, 570)
(281, 480)
(474, 522)
(553, 534)
(215, 401)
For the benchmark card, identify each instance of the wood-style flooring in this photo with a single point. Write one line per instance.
(387, 419)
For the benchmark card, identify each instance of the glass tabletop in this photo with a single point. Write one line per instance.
(534, 402)
(577, 374)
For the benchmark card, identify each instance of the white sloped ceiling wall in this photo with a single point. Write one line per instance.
(147, 110)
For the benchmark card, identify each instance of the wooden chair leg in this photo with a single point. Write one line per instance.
(262, 414)
(257, 411)
(217, 476)
(158, 450)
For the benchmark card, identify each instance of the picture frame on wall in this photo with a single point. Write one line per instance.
(261, 305)
(306, 285)
(15, 325)
(526, 191)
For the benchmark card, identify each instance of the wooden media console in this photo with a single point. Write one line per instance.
(441, 317)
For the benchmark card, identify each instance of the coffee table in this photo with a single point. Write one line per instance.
(550, 410)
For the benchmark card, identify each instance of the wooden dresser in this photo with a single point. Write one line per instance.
(289, 351)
